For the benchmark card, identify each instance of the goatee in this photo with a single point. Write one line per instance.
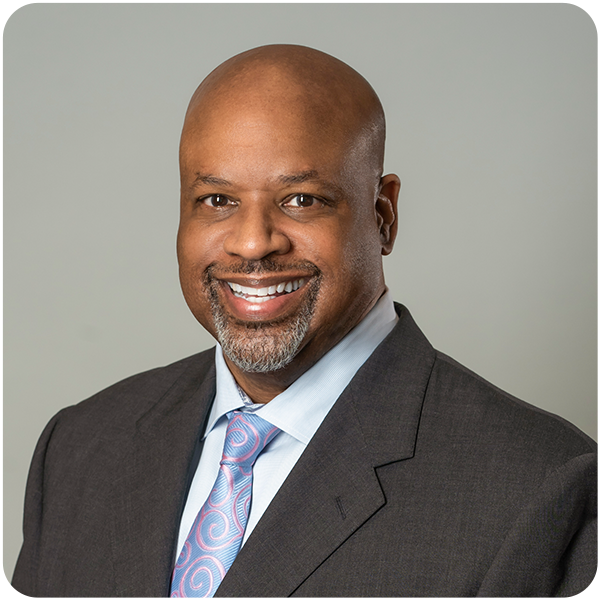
(266, 346)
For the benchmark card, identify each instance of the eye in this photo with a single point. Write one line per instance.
(301, 201)
(216, 201)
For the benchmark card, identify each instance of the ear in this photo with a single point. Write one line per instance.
(386, 209)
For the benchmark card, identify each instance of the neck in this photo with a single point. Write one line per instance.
(263, 387)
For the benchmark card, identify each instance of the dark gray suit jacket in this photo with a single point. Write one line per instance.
(423, 480)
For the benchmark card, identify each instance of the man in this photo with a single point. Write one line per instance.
(324, 448)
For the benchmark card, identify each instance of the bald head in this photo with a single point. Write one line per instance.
(307, 89)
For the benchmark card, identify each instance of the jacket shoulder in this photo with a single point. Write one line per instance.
(123, 403)
(480, 410)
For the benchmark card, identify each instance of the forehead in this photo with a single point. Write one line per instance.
(273, 131)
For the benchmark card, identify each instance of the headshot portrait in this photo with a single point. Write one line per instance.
(300, 300)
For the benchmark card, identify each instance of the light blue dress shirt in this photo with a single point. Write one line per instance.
(298, 411)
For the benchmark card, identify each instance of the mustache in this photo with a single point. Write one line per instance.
(260, 267)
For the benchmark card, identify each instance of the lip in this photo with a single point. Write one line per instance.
(246, 305)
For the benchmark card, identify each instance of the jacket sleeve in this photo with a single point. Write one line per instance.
(551, 548)
(25, 578)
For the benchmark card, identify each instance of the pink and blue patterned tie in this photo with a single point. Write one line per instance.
(216, 535)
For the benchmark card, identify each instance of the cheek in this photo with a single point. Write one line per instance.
(196, 247)
(349, 262)
(355, 247)
(194, 255)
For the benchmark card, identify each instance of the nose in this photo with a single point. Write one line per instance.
(255, 235)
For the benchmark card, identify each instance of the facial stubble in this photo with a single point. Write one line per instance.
(262, 346)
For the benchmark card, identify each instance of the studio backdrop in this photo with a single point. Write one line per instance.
(491, 112)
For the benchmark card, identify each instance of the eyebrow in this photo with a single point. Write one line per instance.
(312, 175)
(289, 179)
(298, 177)
(201, 178)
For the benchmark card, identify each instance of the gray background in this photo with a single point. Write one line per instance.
(491, 127)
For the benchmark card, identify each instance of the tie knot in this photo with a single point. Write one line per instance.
(246, 437)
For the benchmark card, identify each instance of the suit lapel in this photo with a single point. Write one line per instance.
(317, 508)
(148, 496)
(334, 489)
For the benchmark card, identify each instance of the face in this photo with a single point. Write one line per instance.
(281, 233)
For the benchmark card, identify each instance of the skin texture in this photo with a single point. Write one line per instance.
(281, 161)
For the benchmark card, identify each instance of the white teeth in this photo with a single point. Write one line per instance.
(266, 293)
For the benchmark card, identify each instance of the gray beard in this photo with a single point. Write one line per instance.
(266, 346)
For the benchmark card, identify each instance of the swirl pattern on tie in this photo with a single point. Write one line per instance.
(216, 535)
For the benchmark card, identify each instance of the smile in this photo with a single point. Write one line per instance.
(264, 294)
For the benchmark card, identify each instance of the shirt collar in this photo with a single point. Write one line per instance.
(301, 408)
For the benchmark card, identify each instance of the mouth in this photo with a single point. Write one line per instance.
(262, 293)
(257, 295)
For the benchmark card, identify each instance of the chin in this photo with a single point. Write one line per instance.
(263, 346)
